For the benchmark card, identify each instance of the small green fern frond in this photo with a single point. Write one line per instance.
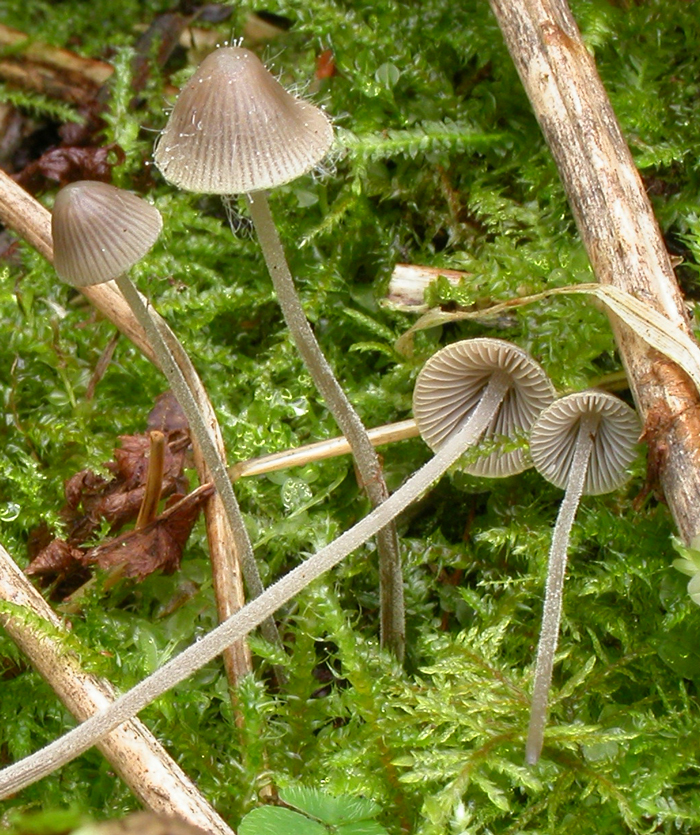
(425, 138)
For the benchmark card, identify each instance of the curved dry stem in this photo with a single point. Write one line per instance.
(393, 627)
(71, 745)
(210, 451)
(556, 571)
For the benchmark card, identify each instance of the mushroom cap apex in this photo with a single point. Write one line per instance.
(235, 129)
(554, 434)
(450, 386)
(100, 231)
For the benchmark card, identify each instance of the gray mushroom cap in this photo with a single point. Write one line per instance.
(100, 231)
(451, 384)
(235, 129)
(553, 440)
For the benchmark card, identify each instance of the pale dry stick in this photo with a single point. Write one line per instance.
(321, 450)
(134, 752)
(75, 742)
(617, 226)
(20, 212)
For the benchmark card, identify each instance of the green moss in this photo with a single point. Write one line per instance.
(440, 162)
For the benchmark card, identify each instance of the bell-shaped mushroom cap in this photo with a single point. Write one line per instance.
(235, 129)
(450, 386)
(100, 231)
(554, 434)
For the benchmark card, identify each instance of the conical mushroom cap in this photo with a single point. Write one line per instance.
(235, 129)
(99, 232)
(553, 440)
(450, 386)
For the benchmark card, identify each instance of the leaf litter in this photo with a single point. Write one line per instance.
(93, 501)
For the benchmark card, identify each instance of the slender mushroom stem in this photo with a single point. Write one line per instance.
(393, 629)
(80, 739)
(211, 454)
(556, 570)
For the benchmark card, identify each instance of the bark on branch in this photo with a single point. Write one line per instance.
(617, 226)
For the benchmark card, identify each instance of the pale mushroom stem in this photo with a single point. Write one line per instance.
(392, 617)
(80, 739)
(210, 452)
(556, 570)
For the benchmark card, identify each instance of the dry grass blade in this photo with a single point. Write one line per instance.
(652, 327)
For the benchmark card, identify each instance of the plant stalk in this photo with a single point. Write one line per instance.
(80, 739)
(320, 450)
(556, 571)
(211, 454)
(393, 627)
(154, 480)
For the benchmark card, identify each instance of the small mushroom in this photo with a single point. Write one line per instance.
(234, 129)
(99, 232)
(582, 443)
(461, 378)
(87, 252)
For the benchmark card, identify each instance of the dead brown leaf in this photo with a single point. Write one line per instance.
(157, 545)
(57, 558)
(92, 499)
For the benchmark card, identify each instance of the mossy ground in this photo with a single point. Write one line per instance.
(443, 165)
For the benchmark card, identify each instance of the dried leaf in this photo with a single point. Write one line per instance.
(167, 415)
(59, 557)
(158, 545)
(92, 499)
(118, 501)
(68, 164)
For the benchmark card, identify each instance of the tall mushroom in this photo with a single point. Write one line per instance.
(582, 443)
(482, 377)
(100, 232)
(235, 130)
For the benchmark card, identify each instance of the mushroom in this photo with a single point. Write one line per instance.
(582, 443)
(496, 376)
(99, 232)
(455, 381)
(235, 130)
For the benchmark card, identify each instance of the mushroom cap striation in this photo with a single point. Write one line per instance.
(451, 384)
(554, 434)
(235, 129)
(100, 231)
